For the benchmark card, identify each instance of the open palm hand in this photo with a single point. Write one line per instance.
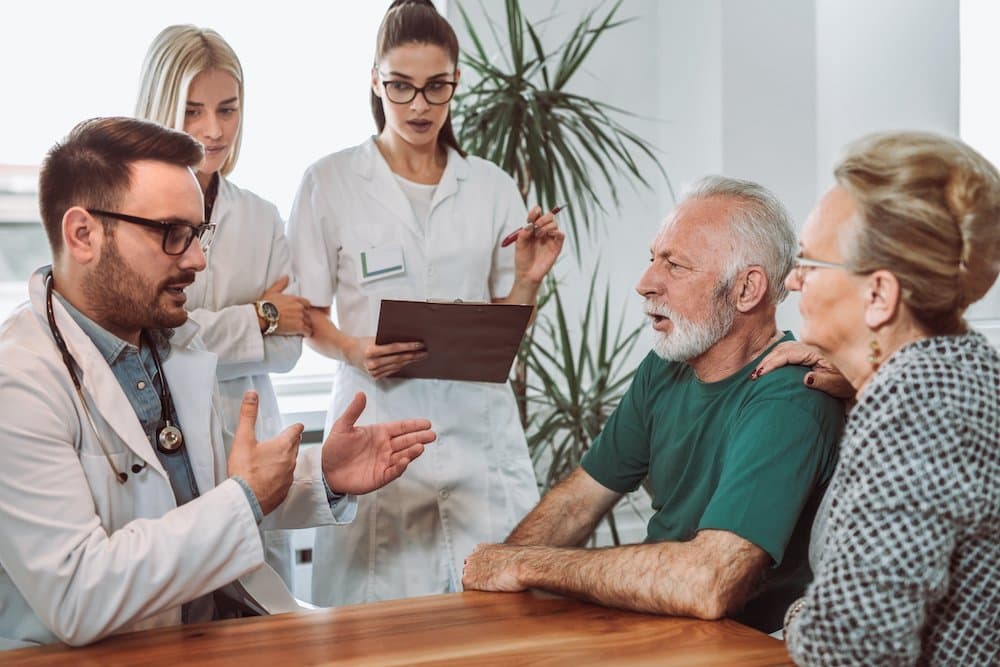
(360, 459)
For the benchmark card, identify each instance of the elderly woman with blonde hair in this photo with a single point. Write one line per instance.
(906, 546)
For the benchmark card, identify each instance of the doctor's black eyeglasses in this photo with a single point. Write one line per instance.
(177, 236)
(435, 92)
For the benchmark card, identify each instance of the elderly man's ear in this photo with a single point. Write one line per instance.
(750, 289)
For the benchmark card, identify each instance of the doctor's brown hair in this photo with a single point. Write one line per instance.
(92, 166)
(415, 22)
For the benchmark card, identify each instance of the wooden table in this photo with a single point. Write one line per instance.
(458, 629)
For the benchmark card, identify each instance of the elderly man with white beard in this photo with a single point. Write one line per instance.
(736, 465)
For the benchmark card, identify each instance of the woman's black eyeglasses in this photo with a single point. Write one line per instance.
(177, 236)
(435, 92)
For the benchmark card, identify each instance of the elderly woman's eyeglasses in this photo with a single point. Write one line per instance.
(802, 265)
(435, 92)
(177, 236)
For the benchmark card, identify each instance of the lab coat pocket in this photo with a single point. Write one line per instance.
(112, 499)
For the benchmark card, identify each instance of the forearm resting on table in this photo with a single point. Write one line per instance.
(327, 339)
(709, 577)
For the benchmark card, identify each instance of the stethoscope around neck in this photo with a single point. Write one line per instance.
(169, 438)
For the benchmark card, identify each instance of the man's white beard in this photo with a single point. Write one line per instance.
(687, 339)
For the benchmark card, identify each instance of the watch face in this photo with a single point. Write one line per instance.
(270, 310)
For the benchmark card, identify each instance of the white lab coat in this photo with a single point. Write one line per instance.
(476, 481)
(248, 254)
(84, 556)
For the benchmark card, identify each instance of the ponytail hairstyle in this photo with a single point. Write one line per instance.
(415, 22)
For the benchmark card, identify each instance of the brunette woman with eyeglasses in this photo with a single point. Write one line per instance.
(408, 215)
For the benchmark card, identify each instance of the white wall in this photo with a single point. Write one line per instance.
(769, 90)
(980, 108)
(884, 64)
(307, 68)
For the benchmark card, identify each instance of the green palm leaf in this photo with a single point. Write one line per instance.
(559, 147)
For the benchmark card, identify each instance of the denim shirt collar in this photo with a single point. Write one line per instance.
(109, 345)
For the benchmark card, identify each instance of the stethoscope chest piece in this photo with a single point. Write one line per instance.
(169, 439)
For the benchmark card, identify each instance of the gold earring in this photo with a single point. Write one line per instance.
(876, 352)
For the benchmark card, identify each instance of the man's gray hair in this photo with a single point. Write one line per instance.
(762, 231)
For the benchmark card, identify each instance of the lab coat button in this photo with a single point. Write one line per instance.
(140, 385)
(444, 494)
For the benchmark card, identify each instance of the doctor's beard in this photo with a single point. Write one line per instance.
(688, 339)
(123, 299)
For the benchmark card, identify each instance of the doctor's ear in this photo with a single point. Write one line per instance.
(376, 87)
(80, 235)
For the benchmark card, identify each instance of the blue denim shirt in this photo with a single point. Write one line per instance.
(135, 371)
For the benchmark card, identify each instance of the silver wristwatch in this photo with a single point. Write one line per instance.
(269, 312)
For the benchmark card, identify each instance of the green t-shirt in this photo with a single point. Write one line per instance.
(750, 457)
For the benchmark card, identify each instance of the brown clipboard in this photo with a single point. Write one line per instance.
(467, 341)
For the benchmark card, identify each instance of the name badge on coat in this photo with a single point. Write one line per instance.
(381, 262)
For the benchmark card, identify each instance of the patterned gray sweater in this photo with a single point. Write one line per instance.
(909, 536)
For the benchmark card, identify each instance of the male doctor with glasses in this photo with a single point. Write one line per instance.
(121, 507)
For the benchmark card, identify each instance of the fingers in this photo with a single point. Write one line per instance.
(385, 360)
(831, 383)
(393, 365)
(350, 415)
(293, 317)
(546, 227)
(399, 461)
(291, 439)
(410, 431)
(822, 376)
(293, 433)
(278, 285)
(245, 429)
(789, 353)
(375, 352)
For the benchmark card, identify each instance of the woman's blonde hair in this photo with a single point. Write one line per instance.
(177, 55)
(929, 212)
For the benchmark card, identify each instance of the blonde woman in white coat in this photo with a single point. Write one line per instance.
(409, 197)
(246, 299)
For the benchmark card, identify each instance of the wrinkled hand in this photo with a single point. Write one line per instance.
(360, 459)
(293, 311)
(268, 466)
(492, 567)
(537, 251)
(381, 361)
(823, 376)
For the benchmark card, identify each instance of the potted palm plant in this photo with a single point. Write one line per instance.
(521, 114)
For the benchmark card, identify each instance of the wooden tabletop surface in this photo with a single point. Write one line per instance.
(458, 629)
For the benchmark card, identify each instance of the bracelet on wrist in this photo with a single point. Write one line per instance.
(793, 611)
